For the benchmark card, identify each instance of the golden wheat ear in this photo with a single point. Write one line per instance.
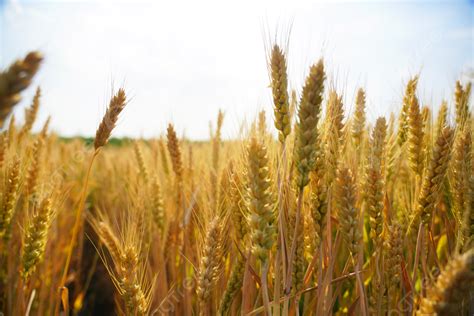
(9, 196)
(461, 100)
(375, 186)
(126, 268)
(210, 264)
(237, 215)
(158, 209)
(450, 293)
(31, 114)
(116, 105)
(141, 162)
(175, 152)
(36, 237)
(34, 168)
(442, 118)
(333, 131)
(434, 175)
(3, 147)
(403, 117)
(163, 157)
(16, 79)
(262, 123)
(462, 183)
(393, 248)
(415, 136)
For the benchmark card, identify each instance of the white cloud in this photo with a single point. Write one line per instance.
(13, 7)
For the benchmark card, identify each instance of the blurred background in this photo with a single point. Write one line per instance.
(181, 61)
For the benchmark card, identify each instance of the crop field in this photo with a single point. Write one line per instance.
(322, 212)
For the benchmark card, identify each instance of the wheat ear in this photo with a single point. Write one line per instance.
(9, 198)
(210, 264)
(347, 212)
(175, 153)
(434, 175)
(16, 79)
(279, 78)
(375, 182)
(116, 105)
(307, 127)
(449, 295)
(415, 136)
(30, 114)
(403, 117)
(35, 238)
(358, 121)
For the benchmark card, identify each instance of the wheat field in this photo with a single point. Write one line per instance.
(322, 213)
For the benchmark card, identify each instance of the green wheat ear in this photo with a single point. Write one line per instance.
(279, 79)
(306, 129)
(261, 217)
(347, 212)
(36, 237)
(375, 188)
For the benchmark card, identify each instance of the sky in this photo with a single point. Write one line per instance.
(181, 61)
